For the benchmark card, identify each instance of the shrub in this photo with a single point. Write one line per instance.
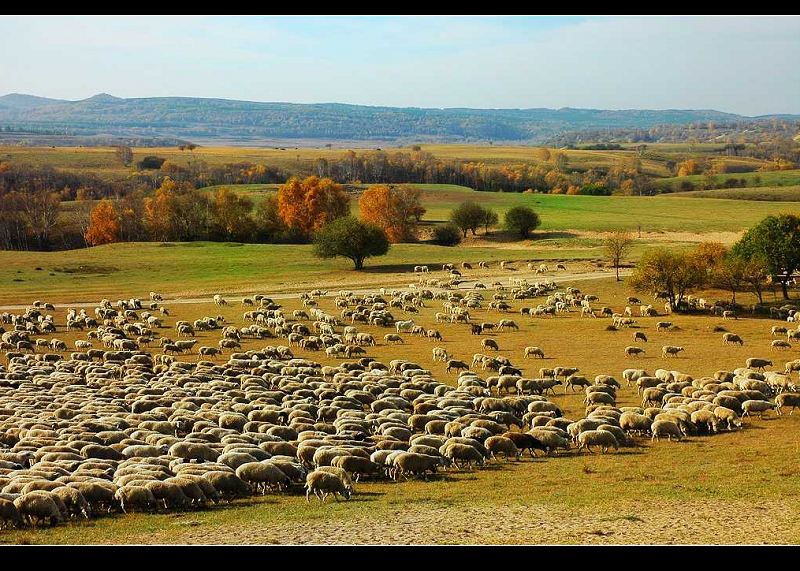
(447, 235)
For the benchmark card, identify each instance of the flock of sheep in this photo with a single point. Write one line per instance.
(130, 428)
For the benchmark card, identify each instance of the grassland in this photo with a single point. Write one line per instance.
(767, 178)
(741, 487)
(103, 161)
(759, 193)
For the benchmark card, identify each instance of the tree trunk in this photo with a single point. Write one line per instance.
(616, 267)
(359, 263)
(785, 289)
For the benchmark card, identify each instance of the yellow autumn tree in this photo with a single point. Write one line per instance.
(308, 204)
(104, 224)
(396, 210)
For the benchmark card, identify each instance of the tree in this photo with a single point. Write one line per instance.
(349, 237)
(447, 235)
(125, 154)
(776, 241)
(104, 224)
(468, 216)
(307, 205)
(616, 245)
(674, 273)
(397, 210)
(490, 218)
(230, 215)
(521, 220)
(269, 225)
(729, 274)
(40, 209)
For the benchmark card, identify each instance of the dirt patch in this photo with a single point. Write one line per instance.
(665, 522)
(86, 269)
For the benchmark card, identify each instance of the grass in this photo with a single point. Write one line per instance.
(759, 193)
(767, 178)
(695, 491)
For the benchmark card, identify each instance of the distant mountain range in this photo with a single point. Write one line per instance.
(195, 118)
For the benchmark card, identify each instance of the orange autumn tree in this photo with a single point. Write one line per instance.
(104, 224)
(396, 210)
(307, 205)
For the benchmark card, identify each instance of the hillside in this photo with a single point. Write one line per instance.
(199, 118)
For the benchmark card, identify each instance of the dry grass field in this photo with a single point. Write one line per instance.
(740, 487)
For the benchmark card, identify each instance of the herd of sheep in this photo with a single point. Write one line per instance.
(133, 427)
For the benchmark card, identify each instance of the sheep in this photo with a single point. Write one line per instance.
(497, 445)
(759, 406)
(634, 422)
(465, 453)
(633, 351)
(392, 338)
(9, 514)
(323, 483)
(787, 399)
(457, 365)
(440, 354)
(414, 463)
(38, 506)
(523, 441)
(780, 344)
(535, 351)
(670, 351)
(758, 364)
(663, 325)
(665, 428)
(490, 344)
(602, 438)
(263, 476)
(639, 336)
(728, 338)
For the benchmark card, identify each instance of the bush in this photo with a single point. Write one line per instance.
(151, 162)
(447, 235)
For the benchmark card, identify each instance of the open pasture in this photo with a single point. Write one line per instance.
(732, 487)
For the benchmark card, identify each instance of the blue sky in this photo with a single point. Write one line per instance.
(741, 65)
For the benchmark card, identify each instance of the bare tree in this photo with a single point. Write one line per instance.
(124, 154)
(617, 244)
(40, 210)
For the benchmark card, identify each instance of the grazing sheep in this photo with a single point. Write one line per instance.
(490, 344)
(665, 428)
(457, 365)
(663, 325)
(633, 351)
(728, 338)
(500, 445)
(670, 351)
(37, 507)
(639, 336)
(780, 344)
(758, 364)
(9, 514)
(602, 438)
(535, 351)
(787, 399)
(392, 338)
(323, 483)
(263, 476)
(759, 406)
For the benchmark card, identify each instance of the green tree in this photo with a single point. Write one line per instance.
(348, 237)
(616, 245)
(468, 216)
(490, 218)
(521, 220)
(675, 273)
(776, 241)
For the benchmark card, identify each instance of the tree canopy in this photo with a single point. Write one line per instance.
(308, 204)
(522, 220)
(775, 240)
(349, 237)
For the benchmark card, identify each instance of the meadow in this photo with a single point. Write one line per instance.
(739, 487)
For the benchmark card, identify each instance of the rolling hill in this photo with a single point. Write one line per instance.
(200, 118)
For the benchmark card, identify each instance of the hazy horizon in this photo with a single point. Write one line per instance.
(731, 64)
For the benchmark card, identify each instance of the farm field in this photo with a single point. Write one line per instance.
(733, 487)
(761, 193)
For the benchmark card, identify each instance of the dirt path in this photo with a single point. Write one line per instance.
(664, 522)
(466, 285)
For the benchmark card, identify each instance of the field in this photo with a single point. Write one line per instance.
(740, 487)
